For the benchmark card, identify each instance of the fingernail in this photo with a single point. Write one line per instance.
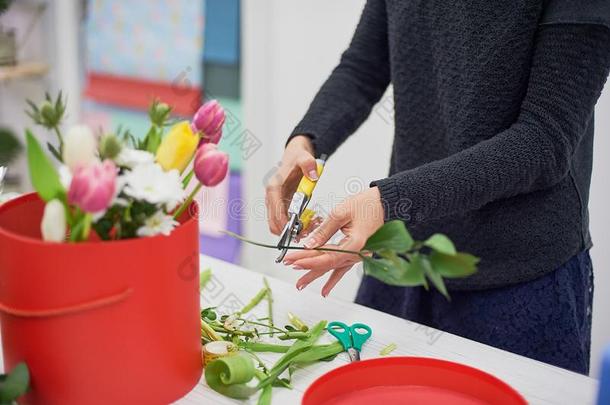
(297, 268)
(324, 294)
(300, 287)
(313, 175)
(288, 262)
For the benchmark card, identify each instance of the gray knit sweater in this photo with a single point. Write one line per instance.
(493, 105)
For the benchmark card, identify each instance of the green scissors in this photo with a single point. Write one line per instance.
(351, 337)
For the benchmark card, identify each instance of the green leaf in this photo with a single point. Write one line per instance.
(42, 173)
(454, 266)
(54, 151)
(298, 347)
(15, 384)
(440, 243)
(393, 235)
(434, 277)
(395, 270)
(229, 376)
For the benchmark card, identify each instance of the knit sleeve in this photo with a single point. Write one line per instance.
(569, 68)
(355, 85)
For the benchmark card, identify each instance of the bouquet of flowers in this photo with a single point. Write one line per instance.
(119, 185)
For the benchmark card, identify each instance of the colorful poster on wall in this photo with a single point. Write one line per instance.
(120, 40)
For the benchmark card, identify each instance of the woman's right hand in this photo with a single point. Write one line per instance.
(298, 161)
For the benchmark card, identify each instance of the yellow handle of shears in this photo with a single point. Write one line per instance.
(307, 185)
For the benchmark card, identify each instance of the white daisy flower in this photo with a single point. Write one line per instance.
(150, 183)
(132, 157)
(158, 223)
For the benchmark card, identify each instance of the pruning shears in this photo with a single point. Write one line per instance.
(299, 215)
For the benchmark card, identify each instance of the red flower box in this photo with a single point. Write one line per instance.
(99, 322)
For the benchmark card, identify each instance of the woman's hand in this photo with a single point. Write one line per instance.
(297, 161)
(358, 217)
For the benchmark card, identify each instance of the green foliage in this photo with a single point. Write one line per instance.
(123, 221)
(9, 146)
(392, 236)
(159, 113)
(110, 146)
(393, 257)
(454, 266)
(400, 261)
(14, 384)
(50, 113)
(4, 5)
(42, 173)
(229, 376)
(440, 243)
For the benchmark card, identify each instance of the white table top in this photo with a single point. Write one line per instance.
(232, 286)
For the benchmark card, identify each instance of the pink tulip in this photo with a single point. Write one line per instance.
(210, 165)
(208, 121)
(92, 187)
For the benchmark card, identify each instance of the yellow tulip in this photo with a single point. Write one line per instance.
(178, 147)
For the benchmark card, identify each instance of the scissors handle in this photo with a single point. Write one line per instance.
(350, 336)
(342, 332)
(306, 185)
(360, 334)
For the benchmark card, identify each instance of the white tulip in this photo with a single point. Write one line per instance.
(53, 225)
(80, 147)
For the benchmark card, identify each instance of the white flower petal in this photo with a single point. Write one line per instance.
(53, 224)
(158, 223)
(148, 182)
(132, 157)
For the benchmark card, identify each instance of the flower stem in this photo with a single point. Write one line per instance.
(265, 245)
(188, 201)
(61, 141)
(253, 302)
(269, 304)
(187, 179)
(264, 325)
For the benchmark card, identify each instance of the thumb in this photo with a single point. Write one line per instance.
(308, 166)
(326, 230)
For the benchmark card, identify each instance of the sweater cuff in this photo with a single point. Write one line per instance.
(390, 197)
(409, 196)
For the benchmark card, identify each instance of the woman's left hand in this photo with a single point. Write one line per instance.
(358, 217)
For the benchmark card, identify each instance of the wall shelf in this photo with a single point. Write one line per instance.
(23, 70)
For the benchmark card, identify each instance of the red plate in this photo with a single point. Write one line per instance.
(412, 380)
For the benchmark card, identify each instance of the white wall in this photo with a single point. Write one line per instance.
(600, 232)
(289, 48)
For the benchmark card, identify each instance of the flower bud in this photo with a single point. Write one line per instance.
(80, 147)
(53, 224)
(48, 114)
(159, 113)
(110, 146)
(177, 147)
(210, 165)
(92, 187)
(208, 121)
